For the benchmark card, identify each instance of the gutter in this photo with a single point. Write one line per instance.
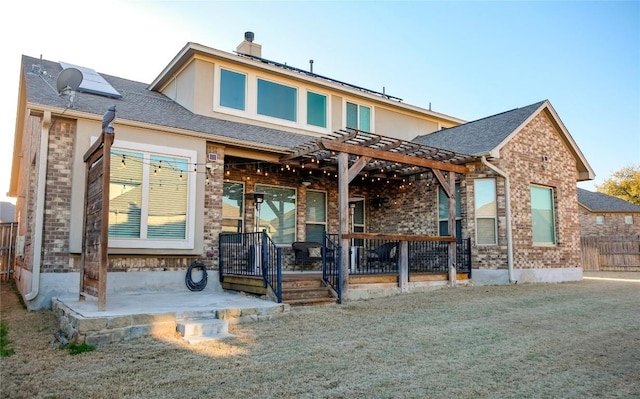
(39, 210)
(507, 190)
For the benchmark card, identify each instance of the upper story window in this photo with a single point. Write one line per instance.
(543, 215)
(316, 109)
(358, 116)
(628, 219)
(443, 212)
(277, 100)
(151, 197)
(233, 88)
(599, 219)
(485, 211)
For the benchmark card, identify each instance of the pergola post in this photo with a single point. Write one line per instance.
(343, 216)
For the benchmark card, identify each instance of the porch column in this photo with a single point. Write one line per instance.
(343, 217)
(452, 228)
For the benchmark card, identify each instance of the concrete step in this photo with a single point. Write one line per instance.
(198, 330)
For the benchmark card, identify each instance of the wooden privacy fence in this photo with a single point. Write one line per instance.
(611, 253)
(8, 233)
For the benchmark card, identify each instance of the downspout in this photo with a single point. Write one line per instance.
(507, 193)
(39, 210)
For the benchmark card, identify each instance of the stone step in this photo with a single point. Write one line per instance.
(198, 330)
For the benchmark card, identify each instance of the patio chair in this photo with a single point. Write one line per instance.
(383, 256)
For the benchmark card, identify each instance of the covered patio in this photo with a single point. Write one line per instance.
(357, 169)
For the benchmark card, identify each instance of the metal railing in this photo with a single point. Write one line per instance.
(382, 255)
(374, 256)
(332, 263)
(252, 255)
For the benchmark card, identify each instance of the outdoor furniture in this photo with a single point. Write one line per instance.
(306, 251)
(383, 255)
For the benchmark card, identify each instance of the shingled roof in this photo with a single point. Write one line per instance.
(599, 202)
(142, 105)
(480, 136)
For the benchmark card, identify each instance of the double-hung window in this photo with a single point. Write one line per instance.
(232, 207)
(358, 116)
(316, 220)
(443, 213)
(151, 197)
(233, 89)
(485, 211)
(278, 213)
(277, 100)
(542, 216)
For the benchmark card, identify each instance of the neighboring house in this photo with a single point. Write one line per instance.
(606, 215)
(215, 127)
(7, 212)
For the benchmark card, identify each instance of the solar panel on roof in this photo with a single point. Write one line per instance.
(93, 82)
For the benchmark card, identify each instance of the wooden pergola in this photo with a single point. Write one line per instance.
(351, 152)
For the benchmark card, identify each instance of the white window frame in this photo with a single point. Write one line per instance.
(217, 92)
(251, 100)
(628, 219)
(599, 219)
(305, 111)
(297, 101)
(495, 217)
(372, 117)
(147, 150)
(555, 222)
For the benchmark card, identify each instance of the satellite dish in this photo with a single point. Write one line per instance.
(68, 79)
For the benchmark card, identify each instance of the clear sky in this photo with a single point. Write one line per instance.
(465, 59)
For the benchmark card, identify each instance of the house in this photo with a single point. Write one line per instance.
(216, 133)
(605, 215)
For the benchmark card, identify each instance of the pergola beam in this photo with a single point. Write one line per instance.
(389, 156)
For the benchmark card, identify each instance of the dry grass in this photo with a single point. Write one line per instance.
(572, 340)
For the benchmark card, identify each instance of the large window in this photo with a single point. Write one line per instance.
(358, 117)
(278, 213)
(232, 89)
(542, 215)
(151, 198)
(443, 213)
(316, 109)
(316, 221)
(276, 100)
(232, 207)
(485, 211)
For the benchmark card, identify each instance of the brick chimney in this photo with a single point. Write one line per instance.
(249, 47)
